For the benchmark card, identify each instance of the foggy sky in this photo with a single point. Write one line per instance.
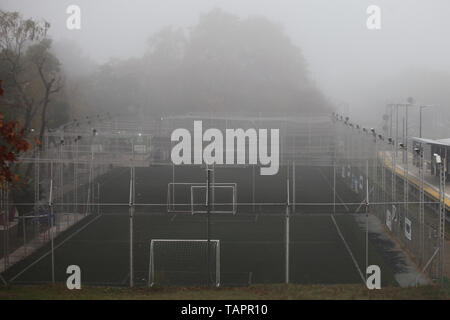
(345, 59)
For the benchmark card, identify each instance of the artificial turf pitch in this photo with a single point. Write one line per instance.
(252, 241)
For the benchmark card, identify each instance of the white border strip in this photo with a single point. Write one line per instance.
(348, 249)
(56, 247)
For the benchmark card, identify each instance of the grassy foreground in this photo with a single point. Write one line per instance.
(264, 292)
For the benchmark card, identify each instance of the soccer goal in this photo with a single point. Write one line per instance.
(175, 262)
(191, 198)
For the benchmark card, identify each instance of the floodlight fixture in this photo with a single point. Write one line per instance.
(438, 158)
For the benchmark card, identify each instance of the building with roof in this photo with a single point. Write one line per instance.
(431, 147)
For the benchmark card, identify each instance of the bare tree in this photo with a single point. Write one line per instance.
(30, 71)
(48, 69)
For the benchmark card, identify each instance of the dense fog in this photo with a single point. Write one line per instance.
(280, 57)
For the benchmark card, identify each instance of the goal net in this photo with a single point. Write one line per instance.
(175, 262)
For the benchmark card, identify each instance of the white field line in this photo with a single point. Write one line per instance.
(348, 249)
(337, 194)
(3, 280)
(56, 247)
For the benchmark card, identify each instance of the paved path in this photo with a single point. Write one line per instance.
(67, 220)
(431, 185)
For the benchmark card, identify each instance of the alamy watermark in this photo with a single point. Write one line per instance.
(74, 279)
(73, 21)
(235, 145)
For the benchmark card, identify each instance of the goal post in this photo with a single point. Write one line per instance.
(200, 191)
(183, 262)
(190, 198)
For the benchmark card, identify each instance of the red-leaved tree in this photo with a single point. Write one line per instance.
(12, 142)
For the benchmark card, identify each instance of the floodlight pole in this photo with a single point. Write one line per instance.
(420, 112)
(293, 186)
(131, 206)
(406, 185)
(89, 191)
(61, 180)
(5, 234)
(442, 212)
(50, 204)
(287, 233)
(383, 179)
(394, 177)
(173, 182)
(375, 170)
(213, 190)
(253, 188)
(406, 135)
(396, 129)
(208, 226)
(422, 205)
(36, 180)
(367, 215)
(98, 198)
(391, 118)
(75, 175)
(5, 206)
(420, 121)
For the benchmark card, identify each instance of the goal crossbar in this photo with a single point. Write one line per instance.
(190, 207)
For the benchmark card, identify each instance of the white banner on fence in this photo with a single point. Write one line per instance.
(389, 220)
(394, 213)
(408, 228)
